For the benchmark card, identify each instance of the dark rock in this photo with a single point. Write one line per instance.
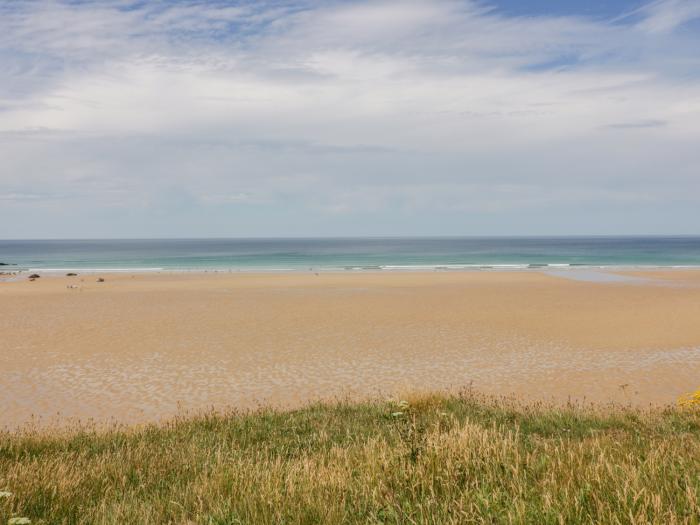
(34, 276)
(71, 274)
(100, 280)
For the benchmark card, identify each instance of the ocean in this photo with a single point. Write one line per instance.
(353, 254)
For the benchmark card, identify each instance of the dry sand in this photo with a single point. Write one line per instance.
(143, 347)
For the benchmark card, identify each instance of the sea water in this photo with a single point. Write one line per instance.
(349, 254)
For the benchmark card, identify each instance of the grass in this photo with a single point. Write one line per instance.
(432, 459)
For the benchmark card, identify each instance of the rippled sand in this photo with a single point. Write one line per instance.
(139, 348)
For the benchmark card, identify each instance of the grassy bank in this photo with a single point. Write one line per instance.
(436, 459)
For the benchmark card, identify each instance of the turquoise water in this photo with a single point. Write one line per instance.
(347, 254)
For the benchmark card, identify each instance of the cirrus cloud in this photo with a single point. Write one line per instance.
(318, 118)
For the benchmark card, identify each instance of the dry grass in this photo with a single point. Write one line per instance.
(461, 459)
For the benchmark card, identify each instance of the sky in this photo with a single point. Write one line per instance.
(297, 118)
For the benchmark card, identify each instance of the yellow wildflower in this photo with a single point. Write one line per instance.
(689, 400)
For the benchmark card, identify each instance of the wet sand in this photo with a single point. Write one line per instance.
(143, 347)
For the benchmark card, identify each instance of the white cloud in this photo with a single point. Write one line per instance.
(350, 108)
(662, 16)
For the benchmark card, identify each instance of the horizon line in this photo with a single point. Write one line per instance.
(358, 237)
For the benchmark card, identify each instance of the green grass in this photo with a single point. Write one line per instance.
(460, 459)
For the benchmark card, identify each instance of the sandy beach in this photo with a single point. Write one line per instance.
(143, 347)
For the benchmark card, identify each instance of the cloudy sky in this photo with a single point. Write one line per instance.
(123, 118)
